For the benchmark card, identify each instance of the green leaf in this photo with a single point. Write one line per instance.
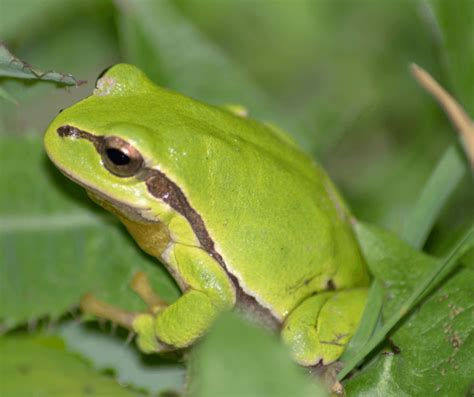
(40, 367)
(10, 66)
(237, 359)
(435, 339)
(396, 265)
(370, 321)
(55, 245)
(400, 268)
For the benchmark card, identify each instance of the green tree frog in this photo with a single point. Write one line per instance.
(240, 216)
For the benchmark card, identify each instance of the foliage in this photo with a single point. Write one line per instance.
(41, 366)
(335, 75)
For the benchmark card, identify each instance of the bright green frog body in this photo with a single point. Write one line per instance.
(238, 214)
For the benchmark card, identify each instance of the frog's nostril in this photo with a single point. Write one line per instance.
(101, 74)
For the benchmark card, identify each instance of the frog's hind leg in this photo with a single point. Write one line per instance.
(319, 329)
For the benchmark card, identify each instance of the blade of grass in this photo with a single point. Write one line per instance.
(446, 176)
(449, 170)
(368, 323)
(422, 288)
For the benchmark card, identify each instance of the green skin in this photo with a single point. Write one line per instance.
(237, 213)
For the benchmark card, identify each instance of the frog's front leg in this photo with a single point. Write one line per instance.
(207, 291)
(320, 327)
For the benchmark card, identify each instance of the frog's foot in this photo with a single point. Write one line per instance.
(319, 329)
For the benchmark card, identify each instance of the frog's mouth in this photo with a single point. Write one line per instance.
(110, 204)
(120, 209)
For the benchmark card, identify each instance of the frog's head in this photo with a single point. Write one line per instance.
(129, 129)
(111, 141)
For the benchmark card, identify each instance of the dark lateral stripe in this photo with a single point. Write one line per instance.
(164, 189)
(161, 187)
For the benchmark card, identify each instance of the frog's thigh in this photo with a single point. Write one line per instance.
(209, 291)
(322, 325)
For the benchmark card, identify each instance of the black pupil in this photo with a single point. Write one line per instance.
(117, 157)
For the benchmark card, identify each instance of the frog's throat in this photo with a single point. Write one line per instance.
(167, 191)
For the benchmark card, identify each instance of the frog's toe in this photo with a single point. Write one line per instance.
(91, 305)
(140, 284)
(147, 341)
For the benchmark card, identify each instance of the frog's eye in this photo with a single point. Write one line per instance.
(119, 157)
